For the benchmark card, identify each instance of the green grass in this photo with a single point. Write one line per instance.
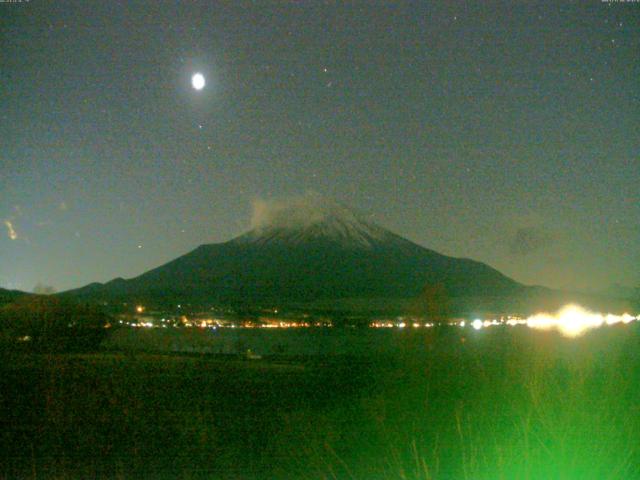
(502, 404)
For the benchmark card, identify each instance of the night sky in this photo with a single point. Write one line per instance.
(508, 134)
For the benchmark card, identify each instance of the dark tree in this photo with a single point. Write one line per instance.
(432, 303)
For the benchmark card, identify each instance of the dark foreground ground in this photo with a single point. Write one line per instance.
(496, 404)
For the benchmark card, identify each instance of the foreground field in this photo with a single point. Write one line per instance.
(494, 404)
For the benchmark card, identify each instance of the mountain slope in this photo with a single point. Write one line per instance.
(322, 254)
(9, 296)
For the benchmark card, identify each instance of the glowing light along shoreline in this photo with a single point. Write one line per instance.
(570, 321)
(574, 320)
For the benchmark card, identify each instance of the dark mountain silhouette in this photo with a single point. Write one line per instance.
(10, 296)
(320, 254)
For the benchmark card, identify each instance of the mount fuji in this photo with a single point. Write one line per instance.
(314, 250)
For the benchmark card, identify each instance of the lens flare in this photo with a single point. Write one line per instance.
(574, 320)
(570, 321)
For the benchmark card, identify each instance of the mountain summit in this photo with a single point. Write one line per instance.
(313, 220)
(306, 251)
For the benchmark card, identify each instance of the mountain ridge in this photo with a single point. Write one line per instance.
(9, 296)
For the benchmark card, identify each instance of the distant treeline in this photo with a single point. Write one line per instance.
(46, 323)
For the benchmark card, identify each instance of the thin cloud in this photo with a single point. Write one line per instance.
(10, 230)
(42, 289)
(529, 240)
(294, 212)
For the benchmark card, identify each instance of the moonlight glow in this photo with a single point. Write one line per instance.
(197, 81)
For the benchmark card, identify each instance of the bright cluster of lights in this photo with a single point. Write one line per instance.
(183, 321)
(574, 320)
(401, 324)
(571, 321)
(142, 325)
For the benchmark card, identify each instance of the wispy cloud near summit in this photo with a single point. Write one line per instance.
(296, 212)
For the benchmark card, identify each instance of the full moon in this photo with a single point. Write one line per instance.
(197, 80)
